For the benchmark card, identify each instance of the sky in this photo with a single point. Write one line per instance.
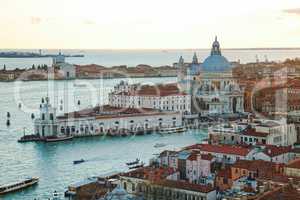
(148, 24)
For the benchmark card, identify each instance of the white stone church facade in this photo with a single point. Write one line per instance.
(213, 88)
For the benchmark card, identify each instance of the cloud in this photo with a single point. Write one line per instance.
(295, 11)
(35, 20)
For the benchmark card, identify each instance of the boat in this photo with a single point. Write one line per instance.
(29, 138)
(78, 161)
(79, 85)
(58, 138)
(4, 189)
(134, 162)
(172, 130)
(137, 166)
(158, 145)
(55, 195)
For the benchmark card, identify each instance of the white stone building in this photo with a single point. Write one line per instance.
(67, 71)
(255, 131)
(104, 120)
(162, 184)
(165, 97)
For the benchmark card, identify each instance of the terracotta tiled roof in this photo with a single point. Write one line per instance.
(106, 111)
(149, 173)
(273, 151)
(265, 170)
(225, 149)
(294, 164)
(185, 186)
(253, 132)
(206, 157)
(155, 90)
(226, 173)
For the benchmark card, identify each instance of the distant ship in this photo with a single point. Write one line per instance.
(4, 189)
(14, 54)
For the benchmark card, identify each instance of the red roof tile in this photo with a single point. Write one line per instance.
(273, 151)
(155, 90)
(294, 164)
(253, 132)
(185, 186)
(225, 149)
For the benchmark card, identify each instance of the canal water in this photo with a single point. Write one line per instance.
(53, 162)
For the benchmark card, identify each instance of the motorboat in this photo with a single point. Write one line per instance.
(134, 162)
(137, 166)
(78, 161)
(11, 187)
(159, 145)
(172, 130)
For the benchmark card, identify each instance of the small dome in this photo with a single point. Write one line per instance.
(118, 194)
(194, 69)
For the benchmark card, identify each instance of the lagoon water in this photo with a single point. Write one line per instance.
(132, 58)
(53, 162)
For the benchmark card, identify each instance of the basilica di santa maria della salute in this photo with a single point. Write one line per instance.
(212, 85)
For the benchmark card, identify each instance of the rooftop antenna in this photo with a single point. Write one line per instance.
(266, 59)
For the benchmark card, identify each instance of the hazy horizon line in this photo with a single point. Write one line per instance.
(161, 49)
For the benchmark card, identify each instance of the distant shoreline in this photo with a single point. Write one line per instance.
(103, 78)
(166, 49)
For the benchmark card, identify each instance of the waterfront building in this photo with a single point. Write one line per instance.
(162, 184)
(118, 194)
(102, 120)
(212, 85)
(66, 70)
(46, 125)
(164, 97)
(254, 131)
